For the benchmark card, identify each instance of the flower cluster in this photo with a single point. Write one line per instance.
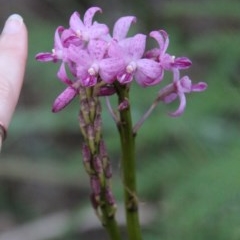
(98, 59)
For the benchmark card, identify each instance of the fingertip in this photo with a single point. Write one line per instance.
(13, 24)
(13, 56)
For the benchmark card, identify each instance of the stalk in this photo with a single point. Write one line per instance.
(96, 161)
(128, 165)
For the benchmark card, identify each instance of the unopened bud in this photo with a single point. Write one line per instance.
(97, 164)
(123, 105)
(109, 196)
(107, 168)
(64, 99)
(86, 153)
(94, 201)
(95, 185)
(102, 148)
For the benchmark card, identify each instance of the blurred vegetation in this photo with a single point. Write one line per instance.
(188, 167)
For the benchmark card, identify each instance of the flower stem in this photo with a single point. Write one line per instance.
(110, 224)
(128, 166)
(96, 161)
(145, 116)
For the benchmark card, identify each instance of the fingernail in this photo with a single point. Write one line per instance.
(13, 24)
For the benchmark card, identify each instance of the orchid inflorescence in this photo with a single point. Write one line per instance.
(97, 58)
(104, 64)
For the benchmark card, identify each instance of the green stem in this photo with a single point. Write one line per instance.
(110, 224)
(128, 166)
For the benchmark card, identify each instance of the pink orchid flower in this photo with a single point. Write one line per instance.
(91, 64)
(178, 88)
(86, 30)
(129, 52)
(167, 61)
(59, 52)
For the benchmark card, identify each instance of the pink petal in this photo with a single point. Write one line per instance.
(57, 39)
(148, 72)
(182, 62)
(170, 98)
(98, 30)
(89, 81)
(146, 81)
(143, 80)
(125, 77)
(139, 44)
(89, 14)
(152, 54)
(75, 22)
(162, 38)
(181, 107)
(121, 27)
(184, 84)
(64, 99)
(62, 75)
(68, 37)
(199, 87)
(167, 61)
(97, 49)
(115, 50)
(134, 46)
(167, 94)
(110, 68)
(45, 57)
(78, 55)
(149, 68)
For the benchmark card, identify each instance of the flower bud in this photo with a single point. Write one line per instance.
(95, 185)
(97, 164)
(124, 105)
(109, 196)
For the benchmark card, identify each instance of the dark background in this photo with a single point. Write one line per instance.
(188, 167)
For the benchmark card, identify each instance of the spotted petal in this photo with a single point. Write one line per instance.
(121, 27)
(98, 30)
(110, 68)
(148, 72)
(75, 22)
(89, 14)
(97, 49)
(134, 46)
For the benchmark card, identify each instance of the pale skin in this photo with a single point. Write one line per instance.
(13, 55)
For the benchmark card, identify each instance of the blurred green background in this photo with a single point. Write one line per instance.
(188, 167)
